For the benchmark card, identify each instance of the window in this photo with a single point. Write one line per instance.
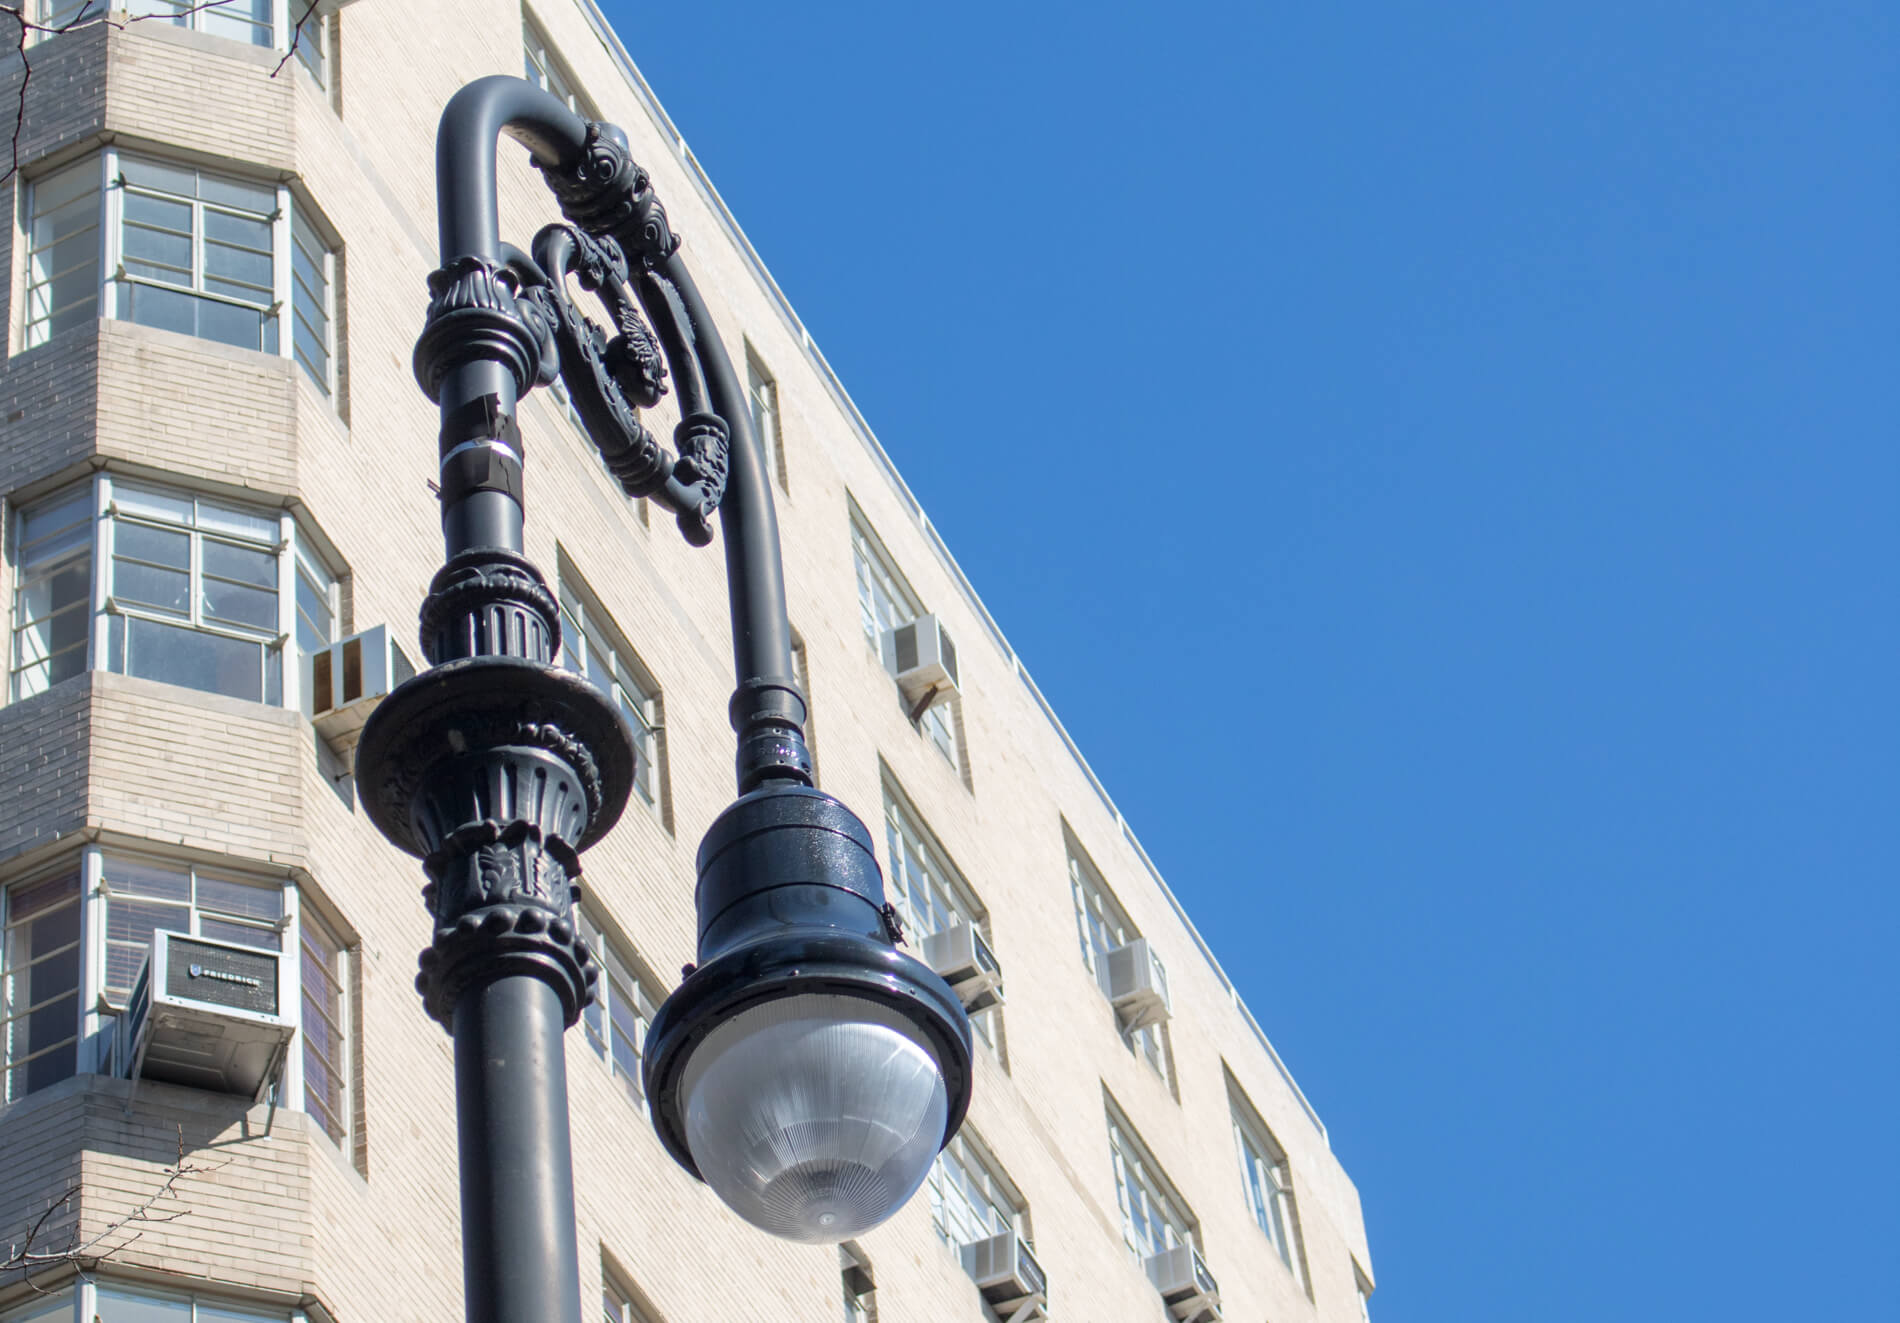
(39, 983)
(970, 1198)
(222, 258)
(546, 70)
(624, 1005)
(76, 937)
(1102, 926)
(253, 22)
(118, 1304)
(197, 592)
(593, 648)
(142, 897)
(885, 601)
(928, 892)
(801, 672)
(52, 595)
(762, 403)
(62, 251)
(312, 39)
(327, 1013)
(1153, 1216)
(1265, 1181)
(104, 1302)
(617, 1303)
(859, 1283)
(1363, 1289)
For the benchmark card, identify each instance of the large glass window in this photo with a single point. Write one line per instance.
(617, 1302)
(39, 982)
(323, 960)
(76, 938)
(970, 1198)
(1102, 926)
(591, 646)
(62, 251)
(616, 1022)
(210, 255)
(196, 592)
(885, 601)
(119, 1304)
(142, 897)
(1153, 1218)
(52, 593)
(1265, 1181)
(253, 22)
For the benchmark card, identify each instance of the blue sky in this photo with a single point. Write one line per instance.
(1440, 462)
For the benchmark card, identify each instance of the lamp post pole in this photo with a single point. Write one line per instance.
(496, 767)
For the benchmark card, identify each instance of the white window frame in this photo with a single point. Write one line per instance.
(82, 1302)
(1266, 1183)
(885, 601)
(624, 983)
(857, 1283)
(1143, 1192)
(1102, 925)
(589, 636)
(971, 1197)
(98, 1008)
(114, 281)
(296, 557)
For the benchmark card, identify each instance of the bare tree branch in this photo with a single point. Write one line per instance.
(90, 16)
(29, 1254)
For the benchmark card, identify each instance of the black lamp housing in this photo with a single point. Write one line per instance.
(791, 903)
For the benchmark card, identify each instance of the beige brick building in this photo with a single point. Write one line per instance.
(215, 462)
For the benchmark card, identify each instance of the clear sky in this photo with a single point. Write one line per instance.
(1440, 462)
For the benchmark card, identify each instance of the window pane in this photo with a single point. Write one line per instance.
(217, 518)
(246, 898)
(241, 934)
(117, 1305)
(246, 328)
(154, 217)
(260, 199)
(196, 660)
(167, 310)
(240, 20)
(241, 565)
(52, 529)
(157, 175)
(151, 504)
(154, 881)
(53, 1309)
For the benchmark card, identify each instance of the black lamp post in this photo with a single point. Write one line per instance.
(806, 1068)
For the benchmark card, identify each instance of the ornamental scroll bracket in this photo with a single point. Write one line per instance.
(613, 373)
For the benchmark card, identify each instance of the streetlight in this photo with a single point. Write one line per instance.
(805, 1068)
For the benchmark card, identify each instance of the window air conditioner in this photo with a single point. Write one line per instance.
(208, 1014)
(1137, 985)
(344, 682)
(964, 960)
(1181, 1275)
(1007, 1274)
(924, 660)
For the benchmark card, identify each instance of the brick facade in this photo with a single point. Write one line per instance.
(287, 1217)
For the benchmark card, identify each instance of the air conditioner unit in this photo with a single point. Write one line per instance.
(1137, 985)
(1188, 1288)
(1007, 1274)
(924, 660)
(964, 960)
(344, 682)
(212, 1015)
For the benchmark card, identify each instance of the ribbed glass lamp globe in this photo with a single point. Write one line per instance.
(814, 1117)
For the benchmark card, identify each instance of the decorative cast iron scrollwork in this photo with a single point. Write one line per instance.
(610, 378)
